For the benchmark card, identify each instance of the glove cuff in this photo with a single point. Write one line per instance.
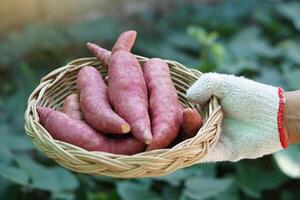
(280, 119)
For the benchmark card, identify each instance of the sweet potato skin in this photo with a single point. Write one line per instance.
(181, 110)
(125, 42)
(180, 137)
(103, 55)
(163, 103)
(128, 93)
(62, 127)
(192, 122)
(71, 107)
(95, 105)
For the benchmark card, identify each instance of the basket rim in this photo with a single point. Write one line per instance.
(65, 153)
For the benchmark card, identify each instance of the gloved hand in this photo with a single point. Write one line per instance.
(250, 125)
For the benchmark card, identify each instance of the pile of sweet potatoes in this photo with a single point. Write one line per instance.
(137, 110)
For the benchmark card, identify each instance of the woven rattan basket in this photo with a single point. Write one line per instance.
(54, 87)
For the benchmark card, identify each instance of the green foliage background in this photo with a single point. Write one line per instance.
(256, 39)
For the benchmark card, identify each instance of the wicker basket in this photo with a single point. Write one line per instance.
(61, 82)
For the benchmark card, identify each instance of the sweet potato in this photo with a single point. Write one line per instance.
(102, 54)
(163, 103)
(71, 107)
(181, 135)
(127, 89)
(192, 122)
(62, 127)
(95, 105)
(181, 110)
(124, 43)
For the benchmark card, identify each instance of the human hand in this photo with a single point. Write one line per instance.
(250, 127)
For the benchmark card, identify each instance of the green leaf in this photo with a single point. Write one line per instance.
(247, 176)
(14, 174)
(69, 182)
(4, 185)
(62, 196)
(134, 191)
(169, 192)
(288, 160)
(292, 77)
(183, 196)
(238, 66)
(290, 49)
(198, 33)
(204, 169)
(52, 179)
(175, 178)
(41, 178)
(16, 142)
(182, 41)
(271, 76)
(248, 44)
(263, 15)
(6, 155)
(232, 193)
(291, 11)
(199, 188)
(203, 38)
(105, 195)
(105, 179)
(218, 52)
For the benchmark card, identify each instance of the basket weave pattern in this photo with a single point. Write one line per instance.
(61, 82)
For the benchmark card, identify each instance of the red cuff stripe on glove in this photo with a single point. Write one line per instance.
(280, 119)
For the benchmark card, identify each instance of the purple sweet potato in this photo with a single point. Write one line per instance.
(123, 43)
(127, 89)
(95, 105)
(71, 107)
(192, 122)
(63, 128)
(163, 103)
(102, 54)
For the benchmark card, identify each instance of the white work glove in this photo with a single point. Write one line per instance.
(250, 124)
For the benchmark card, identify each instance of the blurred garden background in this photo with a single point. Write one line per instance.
(253, 38)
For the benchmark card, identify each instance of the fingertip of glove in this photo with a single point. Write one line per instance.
(197, 92)
(203, 88)
(195, 95)
(191, 94)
